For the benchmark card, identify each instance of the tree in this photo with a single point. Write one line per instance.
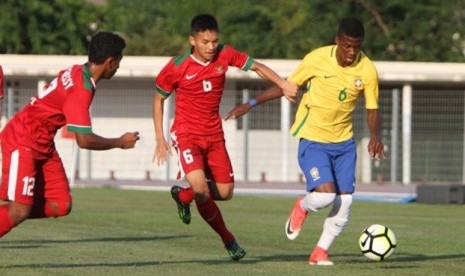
(154, 27)
(46, 27)
(427, 30)
(402, 30)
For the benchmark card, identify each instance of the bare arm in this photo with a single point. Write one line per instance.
(162, 147)
(289, 89)
(95, 142)
(269, 94)
(375, 146)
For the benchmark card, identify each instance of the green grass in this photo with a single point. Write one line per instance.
(116, 232)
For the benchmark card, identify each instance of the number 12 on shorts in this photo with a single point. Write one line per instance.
(28, 185)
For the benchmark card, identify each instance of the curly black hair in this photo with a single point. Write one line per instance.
(104, 45)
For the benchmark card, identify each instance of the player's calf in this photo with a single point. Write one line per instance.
(18, 212)
(57, 209)
(50, 209)
(6, 222)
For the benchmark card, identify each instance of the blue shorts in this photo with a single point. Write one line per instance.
(322, 162)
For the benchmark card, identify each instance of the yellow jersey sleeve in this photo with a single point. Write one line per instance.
(371, 87)
(303, 72)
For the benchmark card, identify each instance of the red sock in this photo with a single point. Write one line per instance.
(186, 195)
(6, 223)
(212, 215)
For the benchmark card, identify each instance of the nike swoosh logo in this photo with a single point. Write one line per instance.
(365, 241)
(231, 174)
(327, 77)
(188, 77)
(288, 229)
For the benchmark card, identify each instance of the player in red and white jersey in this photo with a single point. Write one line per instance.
(199, 87)
(198, 77)
(34, 182)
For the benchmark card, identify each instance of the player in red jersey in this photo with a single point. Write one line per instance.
(34, 182)
(198, 78)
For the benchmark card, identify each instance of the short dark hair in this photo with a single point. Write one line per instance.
(104, 45)
(352, 27)
(203, 22)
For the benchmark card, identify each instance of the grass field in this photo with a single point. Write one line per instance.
(116, 232)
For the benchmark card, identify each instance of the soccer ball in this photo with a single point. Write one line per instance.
(377, 242)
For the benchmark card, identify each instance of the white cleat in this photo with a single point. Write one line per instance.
(322, 263)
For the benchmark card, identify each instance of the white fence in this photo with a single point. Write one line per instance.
(422, 107)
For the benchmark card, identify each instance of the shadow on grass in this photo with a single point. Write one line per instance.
(222, 261)
(399, 260)
(402, 261)
(21, 244)
(81, 265)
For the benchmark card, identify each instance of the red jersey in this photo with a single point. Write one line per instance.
(199, 87)
(66, 100)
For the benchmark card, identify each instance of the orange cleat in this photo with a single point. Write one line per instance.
(296, 220)
(319, 256)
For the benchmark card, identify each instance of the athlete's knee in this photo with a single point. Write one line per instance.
(220, 191)
(327, 187)
(225, 191)
(339, 215)
(226, 196)
(315, 201)
(58, 208)
(342, 205)
(202, 195)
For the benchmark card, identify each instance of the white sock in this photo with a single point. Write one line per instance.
(326, 239)
(336, 220)
(315, 201)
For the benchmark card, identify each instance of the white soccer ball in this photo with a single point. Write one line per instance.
(377, 242)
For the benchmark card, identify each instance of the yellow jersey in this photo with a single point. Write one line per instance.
(325, 110)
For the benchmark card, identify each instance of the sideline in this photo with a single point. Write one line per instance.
(393, 193)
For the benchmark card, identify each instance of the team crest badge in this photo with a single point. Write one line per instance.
(358, 83)
(219, 69)
(315, 173)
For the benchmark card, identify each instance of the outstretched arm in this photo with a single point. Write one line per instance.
(269, 94)
(95, 142)
(289, 89)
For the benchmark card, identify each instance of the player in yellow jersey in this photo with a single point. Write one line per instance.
(335, 76)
